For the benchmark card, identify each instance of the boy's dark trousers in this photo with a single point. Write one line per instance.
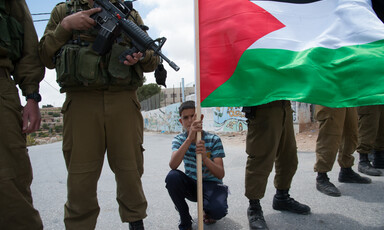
(181, 187)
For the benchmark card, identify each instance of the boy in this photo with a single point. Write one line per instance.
(182, 185)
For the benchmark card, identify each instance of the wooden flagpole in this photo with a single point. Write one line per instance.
(198, 115)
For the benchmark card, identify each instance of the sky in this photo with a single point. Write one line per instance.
(173, 19)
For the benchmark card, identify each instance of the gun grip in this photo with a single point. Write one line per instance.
(124, 54)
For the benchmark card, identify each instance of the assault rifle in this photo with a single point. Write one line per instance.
(112, 20)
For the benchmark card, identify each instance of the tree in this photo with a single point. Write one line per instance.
(58, 128)
(45, 126)
(147, 91)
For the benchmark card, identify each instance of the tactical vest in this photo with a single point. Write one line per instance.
(11, 33)
(78, 67)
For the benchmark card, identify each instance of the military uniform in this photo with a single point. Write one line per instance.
(270, 140)
(371, 123)
(101, 112)
(371, 132)
(337, 132)
(19, 58)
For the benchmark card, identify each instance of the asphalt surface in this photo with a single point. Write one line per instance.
(359, 207)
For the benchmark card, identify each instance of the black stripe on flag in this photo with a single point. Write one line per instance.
(378, 7)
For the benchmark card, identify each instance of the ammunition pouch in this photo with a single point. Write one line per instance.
(117, 69)
(65, 63)
(78, 66)
(129, 77)
(89, 67)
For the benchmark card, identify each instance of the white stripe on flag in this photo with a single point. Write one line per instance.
(328, 23)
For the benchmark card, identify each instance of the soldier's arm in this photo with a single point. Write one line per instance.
(29, 70)
(55, 36)
(150, 61)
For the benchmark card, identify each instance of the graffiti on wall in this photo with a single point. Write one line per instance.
(217, 119)
(224, 119)
(229, 119)
(165, 119)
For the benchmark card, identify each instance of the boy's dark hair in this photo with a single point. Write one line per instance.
(186, 105)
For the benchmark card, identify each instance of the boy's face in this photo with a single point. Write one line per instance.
(187, 117)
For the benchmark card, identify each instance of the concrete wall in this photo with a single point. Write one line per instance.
(216, 119)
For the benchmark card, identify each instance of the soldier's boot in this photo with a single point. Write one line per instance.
(283, 202)
(378, 159)
(366, 167)
(347, 175)
(255, 216)
(325, 186)
(370, 156)
(137, 225)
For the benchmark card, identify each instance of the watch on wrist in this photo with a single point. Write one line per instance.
(34, 96)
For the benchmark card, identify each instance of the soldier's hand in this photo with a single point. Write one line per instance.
(80, 20)
(131, 60)
(31, 116)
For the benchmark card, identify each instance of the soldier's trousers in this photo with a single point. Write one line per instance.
(16, 208)
(270, 140)
(97, 122)
(337, 133)
(371, 128)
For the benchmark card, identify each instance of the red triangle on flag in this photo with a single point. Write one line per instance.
(226, 29)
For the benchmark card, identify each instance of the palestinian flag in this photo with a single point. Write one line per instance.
(327, 52)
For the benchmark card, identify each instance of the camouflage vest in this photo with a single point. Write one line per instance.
(11, 35)
(78, 67)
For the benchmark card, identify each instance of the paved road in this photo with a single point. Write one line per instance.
(359, 207)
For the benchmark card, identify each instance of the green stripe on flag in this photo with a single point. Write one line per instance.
(344, 77)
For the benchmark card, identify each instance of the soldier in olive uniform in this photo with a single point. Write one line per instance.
(101, 112)
(337, 132)
(270, 141)
(371, 125)
(371, 139)
(18, 58)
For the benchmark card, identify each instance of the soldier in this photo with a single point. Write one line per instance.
(371, 139)
(18, 58)
(338, 132)
(270, 140)
(101, 112)
(371, 125)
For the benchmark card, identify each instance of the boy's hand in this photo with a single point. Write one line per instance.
(196, 126)
(200, 149)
